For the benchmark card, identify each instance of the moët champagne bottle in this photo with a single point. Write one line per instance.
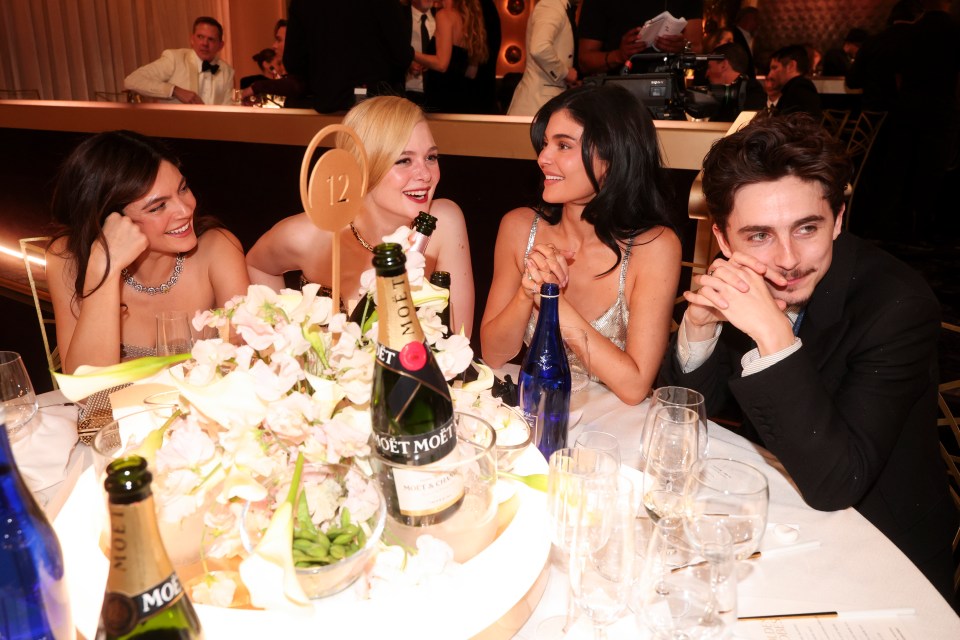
(545, 376)
(144, 597)
(33, 592)
(410, 406)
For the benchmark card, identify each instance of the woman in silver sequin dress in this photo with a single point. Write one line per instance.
(602, 231)
(129, 247)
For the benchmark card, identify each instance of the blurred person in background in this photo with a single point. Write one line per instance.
(266, 61)
(788, 76)
(549, 69)
(188, 76)
(732, 72)
(745, 28)
(837, 61)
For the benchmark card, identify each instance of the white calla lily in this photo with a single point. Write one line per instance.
(87, 380)
(269, 573)
(484, 379)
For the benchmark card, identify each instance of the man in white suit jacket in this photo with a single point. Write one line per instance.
(549, 67)
(189, 76)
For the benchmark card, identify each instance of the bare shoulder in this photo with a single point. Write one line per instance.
(217, 242)
(446, 209)
(658, 243)
(518, 221)
(295, 234)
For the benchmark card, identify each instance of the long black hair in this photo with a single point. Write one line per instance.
(104, 174)
(617, 130)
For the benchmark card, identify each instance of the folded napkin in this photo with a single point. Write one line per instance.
(43, 449)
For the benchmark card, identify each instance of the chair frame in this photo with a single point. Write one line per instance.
(862, 136)
(948, 423)
(30, 249)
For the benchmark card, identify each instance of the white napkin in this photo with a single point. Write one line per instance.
(42, 452)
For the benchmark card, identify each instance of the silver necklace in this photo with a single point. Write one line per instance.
(152, 291)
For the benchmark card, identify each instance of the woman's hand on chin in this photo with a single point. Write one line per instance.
(125, 241)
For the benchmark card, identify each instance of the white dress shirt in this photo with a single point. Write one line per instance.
(691, 355)
(415, 82)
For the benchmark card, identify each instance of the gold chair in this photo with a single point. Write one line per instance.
(950, 448)
(835, 122)
(34, 251)
(862, 136)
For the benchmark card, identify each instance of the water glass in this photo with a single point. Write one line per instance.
(174, 335)
(17, 396)
(600, 441)
(672, 450)
(680, 598)
(733, 494)
(602, 556)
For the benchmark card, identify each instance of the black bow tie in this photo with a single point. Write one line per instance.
(212, 68)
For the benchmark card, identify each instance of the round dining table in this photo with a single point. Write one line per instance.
(819, 575)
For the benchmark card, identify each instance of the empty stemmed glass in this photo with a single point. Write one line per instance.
(576, 482)
(671, 449)
(602, 556)
(676, 397)
(19, 401)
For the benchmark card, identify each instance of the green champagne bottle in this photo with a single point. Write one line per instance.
(423, 226)
(410, 406)
(441, 279)
(144, 598)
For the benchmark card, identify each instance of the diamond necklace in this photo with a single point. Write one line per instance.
(152, 291)
(363, 243)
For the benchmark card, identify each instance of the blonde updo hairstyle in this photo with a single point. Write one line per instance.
(384, 125)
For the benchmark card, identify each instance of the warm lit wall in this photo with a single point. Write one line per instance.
(514, 28)
(252, 30)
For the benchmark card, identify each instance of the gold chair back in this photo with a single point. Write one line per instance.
(862, 136)
(950, 443)
(33, 251)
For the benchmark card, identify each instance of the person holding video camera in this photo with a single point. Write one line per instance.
(610, 30)
(729, 82)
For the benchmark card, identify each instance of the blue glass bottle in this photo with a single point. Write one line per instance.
(545, 376)
(33, 592)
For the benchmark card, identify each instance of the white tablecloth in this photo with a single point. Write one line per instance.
(855, 568)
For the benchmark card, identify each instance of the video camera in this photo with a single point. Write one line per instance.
(658, 80)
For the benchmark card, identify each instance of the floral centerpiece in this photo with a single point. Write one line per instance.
(289, 379)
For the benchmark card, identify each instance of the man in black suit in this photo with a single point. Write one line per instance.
(788, 74)
(744, 32)
(420, 23)
(826, 345)
(336, 47)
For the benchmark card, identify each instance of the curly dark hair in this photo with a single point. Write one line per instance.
(770, 148)
(619, 131)
(104, 174)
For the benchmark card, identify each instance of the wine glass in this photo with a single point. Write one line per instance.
(578, 356)
(599, 441)
(733, 494)
(671, 452)
(18, 398)
(681, 599)
(575, 481)
(173, 333)
(602, 556)
(679, 397)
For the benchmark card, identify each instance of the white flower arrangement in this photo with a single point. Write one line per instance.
(293, 377)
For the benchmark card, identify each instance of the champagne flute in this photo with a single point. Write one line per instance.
(678, 397)
(599, 441)
(575, 480)
(602, 556)
(733, 494)
(173, 333)
(19, 401)
(578, 356)
(672, 450)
